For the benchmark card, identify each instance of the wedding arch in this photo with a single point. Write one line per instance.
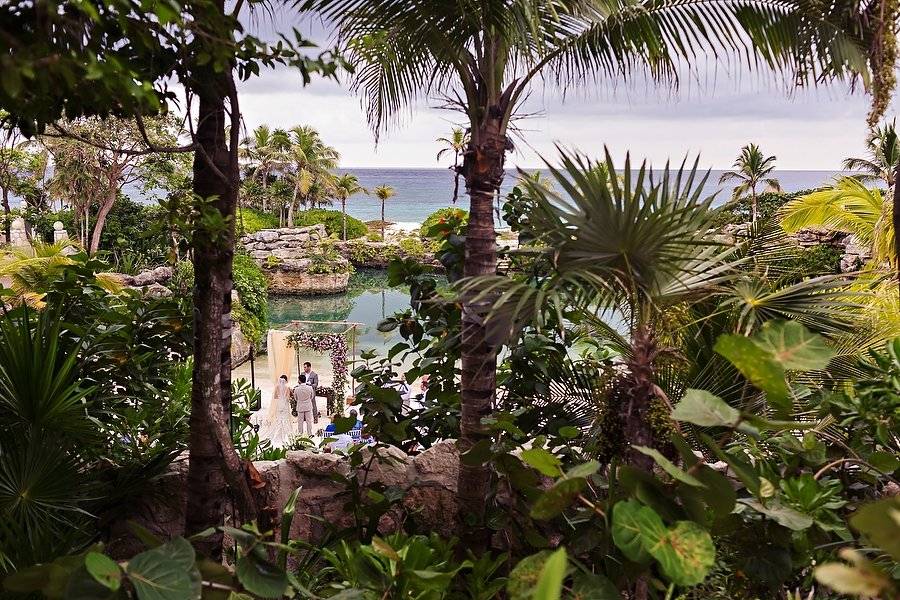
(331, 337)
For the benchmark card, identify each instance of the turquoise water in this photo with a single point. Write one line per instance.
(368, 301)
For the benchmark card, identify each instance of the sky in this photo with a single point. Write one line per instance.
(812, 129)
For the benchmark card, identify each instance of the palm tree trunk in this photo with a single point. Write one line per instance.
(293, 203)
(455, 176)
(101, 221)
(344, 217)
(382, 220)
(753, 209)
(896, 220)
(6, 221)
(638, 397)
(214, 466)
(483, 170)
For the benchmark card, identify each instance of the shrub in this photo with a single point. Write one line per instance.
(819, 260)
(182, 282)
(252, 312)
(251, 221)
(412, 247)
(327, 261)
(446, 214)
(332, 219)
(360, 252)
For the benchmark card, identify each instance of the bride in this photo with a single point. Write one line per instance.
(277, 425)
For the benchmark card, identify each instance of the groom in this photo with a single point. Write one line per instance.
(305, 398)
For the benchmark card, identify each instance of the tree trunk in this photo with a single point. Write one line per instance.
(214, 466)
(638, 395)
(7, 224)
(382, 221)
(344, 217)
(290, 215)
(455, 176)
(483, 170)
(896, 219)
(101, 221)
(753, 206)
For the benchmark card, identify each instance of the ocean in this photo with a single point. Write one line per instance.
(422, 191)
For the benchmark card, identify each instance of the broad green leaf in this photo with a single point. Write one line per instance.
(886, 462)
(260, 577)
(525, 575)
(104, 569)
(758, 366)
(84, 586)
(718, 494)
(590, 586)
(584, 470)
(549, 586)
(558, 498)
(783, 515)
(669, 467)
(743, 469)
(629, 519)
(685, 552)
(793, 346)
(569, 432)
(545, 462)
(707, 410)
(49, 579)
(385, 549)
(164, 573)
(880, 523)
(478, 454)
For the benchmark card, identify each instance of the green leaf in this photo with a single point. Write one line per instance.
(862, 578)
(718, 494)
(584, 470)
(685, 553)
(758, 366)
(557, 499)
(880, 523)
(629, 517)
(260, 577)
(885, 462)
(525, 575)
(783, 515)
(707, 410)
(164, 573)
(589, 586)
(793, 346)
(568, 432)
(478, 454)
(668, 466)
(743, 469)
(104, 569)
(545, 462)
(549, 586)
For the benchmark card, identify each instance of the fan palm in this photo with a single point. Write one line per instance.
(752, 169)
(483, 56)
(851, 207)
(456, 144)
(347, 185)
(883, 151)
(383, 193)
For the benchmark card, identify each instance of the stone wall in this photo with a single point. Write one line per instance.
(288, 256)
(853, 254)
(427, 479)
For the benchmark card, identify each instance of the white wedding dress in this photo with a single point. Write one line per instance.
(278, 423)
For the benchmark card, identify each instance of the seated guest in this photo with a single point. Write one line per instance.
(342, 441)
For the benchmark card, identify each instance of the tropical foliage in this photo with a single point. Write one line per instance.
(752, 168)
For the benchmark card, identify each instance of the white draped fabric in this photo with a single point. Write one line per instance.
(278, 422)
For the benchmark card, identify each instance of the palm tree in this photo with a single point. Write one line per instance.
(347, 185)
(265, 152)
(311, 160)
(383, 192)
(753, 168)
(883, 152)
(456, 143)
(851, 207)
(483, 56)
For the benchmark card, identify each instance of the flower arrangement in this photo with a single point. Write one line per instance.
(335, 344)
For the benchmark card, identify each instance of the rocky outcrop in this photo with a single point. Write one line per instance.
(152, 282)
(426, 482)
(853, 254)
(297, 262)
(377, 255)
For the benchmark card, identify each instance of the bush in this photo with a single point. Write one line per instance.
(819, 260)
(327, 261)
(182, 282)
(251, 221)
(333, 221)
(413, 247)
(252, 312)
(446, 214)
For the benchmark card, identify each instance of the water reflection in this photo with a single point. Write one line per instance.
(368, 300)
